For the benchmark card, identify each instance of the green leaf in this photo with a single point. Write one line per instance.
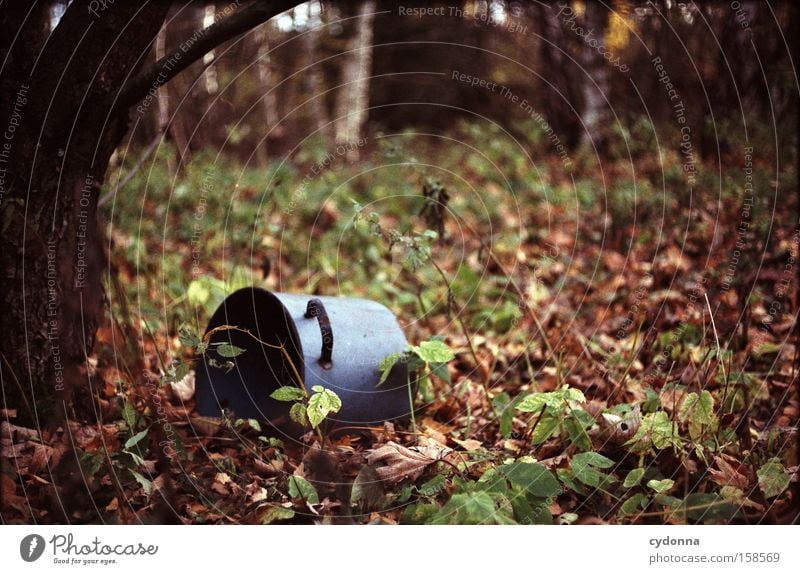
(386, 365)
(547, 426)
(661, 486)
(434, 352)
(441, 371)
(594, 459)
(288, 394)
(298, 414)
(566, 476)
(767, 349)
(175, 372)
(554, 401)
(772, 478)
(576, 429)
(89, 463)
(573, 394)
(147, 485)
(270, 513)
(535, 402)
(433, 487)
(531, 477)
(229, 351)
(300, 488)
(129, 415)
(321, 404)
(472, 508)
(705, 507)
(634, 478)
(633, 504)
(420, 513)
(585, 466)
(528, 510)
(254, 424)
(188, 336)
(656, 430)
(505, 406)
(698, 410)
(134, 440)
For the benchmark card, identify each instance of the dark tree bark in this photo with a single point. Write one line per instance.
(59, 94)
(556, 70)
(64, 108)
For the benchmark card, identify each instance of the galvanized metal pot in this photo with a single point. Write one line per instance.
(335, 342)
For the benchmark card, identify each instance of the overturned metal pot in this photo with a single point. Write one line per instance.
(335, 342)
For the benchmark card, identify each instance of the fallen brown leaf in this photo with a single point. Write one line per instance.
(727, 475)
(401, 462)
(469, 444)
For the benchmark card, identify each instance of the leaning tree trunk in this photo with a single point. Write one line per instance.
(64, 108)
(58, 100)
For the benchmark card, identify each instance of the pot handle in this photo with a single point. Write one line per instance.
(316, 309)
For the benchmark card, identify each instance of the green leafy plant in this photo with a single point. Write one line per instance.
(514, 493)
(310, 409)
(558, 412)
(772, 478)
(656, 432)
(428, 358)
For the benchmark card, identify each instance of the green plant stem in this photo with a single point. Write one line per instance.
(529, 434)
(282, 347)
(720, 358)
(485, 376)
(155, 345)
(411, 406)
(633, 356)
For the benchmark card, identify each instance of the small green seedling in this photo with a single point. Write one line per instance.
(309, 409)
(429, 358)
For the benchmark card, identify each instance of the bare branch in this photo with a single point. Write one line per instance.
(198, 45)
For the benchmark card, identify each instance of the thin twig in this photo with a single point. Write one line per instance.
(284, 352)
(720, 358)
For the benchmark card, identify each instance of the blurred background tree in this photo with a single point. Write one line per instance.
(550, 54)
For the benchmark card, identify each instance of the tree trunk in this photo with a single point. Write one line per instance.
(555, 70)
(63, 133)
(313, 77)
(64, 107)
(353, 97)
(595, 114)
(163, 96)
(266, 83)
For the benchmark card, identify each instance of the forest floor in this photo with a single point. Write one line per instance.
(617, 349)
